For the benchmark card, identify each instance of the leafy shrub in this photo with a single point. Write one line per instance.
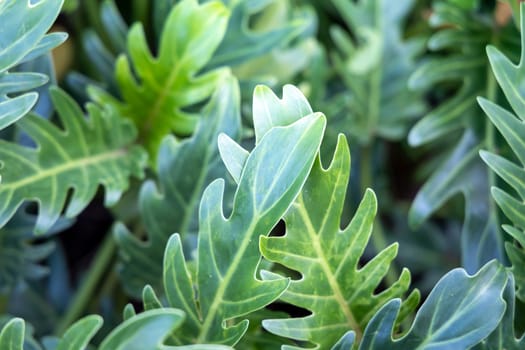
(187, 206)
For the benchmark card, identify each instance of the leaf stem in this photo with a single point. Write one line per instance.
(101, 262)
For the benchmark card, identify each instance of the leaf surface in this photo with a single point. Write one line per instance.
(242, 43)
(445, 322)
(82, 155)
(185, 168)
(156, 90)
(456, 121)
(24, 27)
(228, 253)
(339, 294)
(12, 335)
(375, 64)
(510, 78)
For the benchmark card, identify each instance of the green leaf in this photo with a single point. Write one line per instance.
(454, 316)
(463, 173)
(20, 257)
(147, 330)
(24, 38)
(339, 295)
(463, 31)
(12, 335)
(185, 168)
(77, 336)
(157, 90)
(82, 155)
(374, 63)
(242, 43)
(504, 337)
(228, 253)
(510, 78)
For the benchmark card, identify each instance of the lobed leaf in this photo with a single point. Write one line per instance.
(463, 74)
(86, 153)
(20, 257)
(185, 168)
(242, 43)
(24, 27)
(510, 77)
(157, 90)
(228, 253)
(445, 322)
(339, 294)
(374, 63)
(503, 337)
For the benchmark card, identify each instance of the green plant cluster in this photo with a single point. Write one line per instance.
(156, 193)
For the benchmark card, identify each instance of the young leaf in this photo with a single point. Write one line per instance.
(339, 295)
(155, 90)
(510, 77)
(454, 316)
(83, 155)
(24, 27)
(228, 253)
(185, 168)
(12, 335)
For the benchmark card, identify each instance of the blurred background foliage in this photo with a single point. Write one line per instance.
(399, 78)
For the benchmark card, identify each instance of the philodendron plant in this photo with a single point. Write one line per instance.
(229, 225)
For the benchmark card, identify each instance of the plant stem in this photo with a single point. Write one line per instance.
(101, 262)
(379, 241)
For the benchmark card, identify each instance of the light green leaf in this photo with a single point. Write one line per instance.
(147, 330)
(443, 321)
(12, 335)
(155, 90)
(82, 155)
(228, 253)
(24, 27)
(77, 336)
(339, 294)
(185, 168)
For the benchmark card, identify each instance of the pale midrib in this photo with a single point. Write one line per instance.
(224, 283)
(338, 295)
(80, 163)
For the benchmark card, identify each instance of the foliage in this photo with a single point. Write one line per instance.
(464, 30)
(82, 156)
(375, 64)
(175, 207)
(441, 321)
(164, 85)
(509, 77)
(148, 203)
(23, 39)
